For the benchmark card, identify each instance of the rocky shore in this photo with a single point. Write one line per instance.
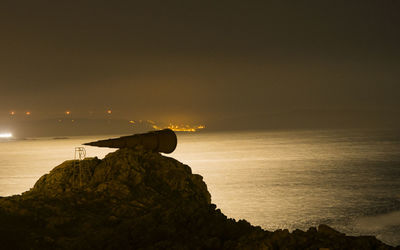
(133, 199)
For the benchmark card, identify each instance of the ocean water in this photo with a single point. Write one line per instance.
(348, 179)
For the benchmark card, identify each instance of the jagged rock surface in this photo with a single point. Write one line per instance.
(133, 199)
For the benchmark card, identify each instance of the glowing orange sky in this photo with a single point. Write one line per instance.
(223, 63)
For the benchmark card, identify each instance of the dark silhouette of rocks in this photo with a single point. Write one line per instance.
(135, 199)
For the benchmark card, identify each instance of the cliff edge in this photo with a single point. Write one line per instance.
(134, 199)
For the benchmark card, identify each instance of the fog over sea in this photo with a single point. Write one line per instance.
(348, 179)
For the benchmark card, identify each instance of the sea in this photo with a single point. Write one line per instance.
(347, 179)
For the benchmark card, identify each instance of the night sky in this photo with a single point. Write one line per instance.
(225, 64)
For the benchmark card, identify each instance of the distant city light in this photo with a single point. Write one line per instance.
(67, 112)
(27, 113)
(12, 113)
(182, 128)
(6, 135)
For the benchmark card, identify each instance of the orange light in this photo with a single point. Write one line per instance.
(182, 128)
(27, 113)
(109, 111)
(67, 112)
(12, 113)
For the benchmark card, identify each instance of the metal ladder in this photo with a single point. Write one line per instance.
(80, 154)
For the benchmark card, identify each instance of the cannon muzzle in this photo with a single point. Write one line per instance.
(159, 141)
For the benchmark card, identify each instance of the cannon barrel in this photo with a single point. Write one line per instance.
(159, 141)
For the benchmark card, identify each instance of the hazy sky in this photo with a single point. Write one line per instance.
(208, 61)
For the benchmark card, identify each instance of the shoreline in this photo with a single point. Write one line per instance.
(136, 192)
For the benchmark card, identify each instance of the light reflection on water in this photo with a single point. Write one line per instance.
(302, 178)
(292, 179)
(23, 162)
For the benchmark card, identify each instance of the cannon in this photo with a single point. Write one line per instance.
(159, 141)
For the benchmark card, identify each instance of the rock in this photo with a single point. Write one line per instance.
(328, 231)
(135, 199)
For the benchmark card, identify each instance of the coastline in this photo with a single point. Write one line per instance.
(132, 194)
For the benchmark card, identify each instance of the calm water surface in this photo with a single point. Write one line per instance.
(347, 179)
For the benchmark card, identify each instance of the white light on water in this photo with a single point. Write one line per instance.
(6, 135)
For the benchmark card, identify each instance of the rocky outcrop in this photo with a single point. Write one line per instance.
(134, 199)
